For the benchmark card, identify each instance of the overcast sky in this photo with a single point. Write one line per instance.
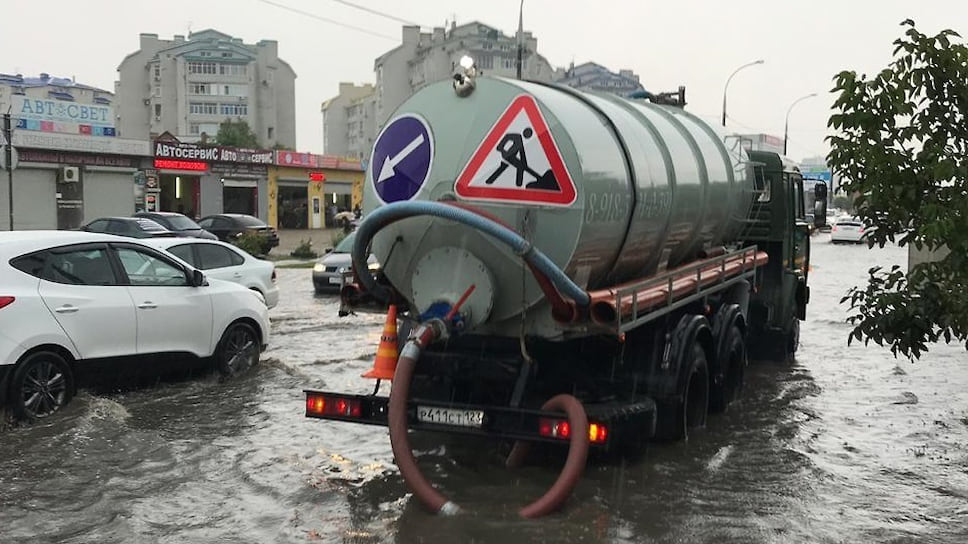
(696, 43)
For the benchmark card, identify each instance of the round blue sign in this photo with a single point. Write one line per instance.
(401, 158)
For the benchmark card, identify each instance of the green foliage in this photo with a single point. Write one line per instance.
(252, 243)
(304, 250)
(901, 145)
(236, 134)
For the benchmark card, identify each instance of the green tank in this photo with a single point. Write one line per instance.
(609, 189)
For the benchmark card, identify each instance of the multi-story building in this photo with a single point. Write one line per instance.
(37, 101)
(349, 121)
(187, 87)
(591, 76)
(427, 57)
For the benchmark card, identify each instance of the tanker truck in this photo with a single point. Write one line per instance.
(567, 267)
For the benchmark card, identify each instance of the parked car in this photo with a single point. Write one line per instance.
(328, 271)
(132, 227)
(848, 230)
(229, 226)
(69, 298)
(224, 261)
(178, 223)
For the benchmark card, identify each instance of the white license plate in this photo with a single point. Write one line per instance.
(337, 280)
(449, 416)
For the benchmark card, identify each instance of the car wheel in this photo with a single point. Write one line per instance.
(42, 384)
(238, 350)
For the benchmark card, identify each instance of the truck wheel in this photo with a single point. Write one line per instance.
(42, 384)
(689, 411)
(733, 361)
(238, 349)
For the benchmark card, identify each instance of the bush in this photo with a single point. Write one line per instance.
(251, 243)
(304, 250)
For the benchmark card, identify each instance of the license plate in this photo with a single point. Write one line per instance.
(337, 280)
(449, 416)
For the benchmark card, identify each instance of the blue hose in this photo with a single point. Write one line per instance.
(396, 211)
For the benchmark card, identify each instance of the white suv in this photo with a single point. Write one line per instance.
(70, 298)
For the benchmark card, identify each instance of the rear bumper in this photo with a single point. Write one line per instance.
(627, 423)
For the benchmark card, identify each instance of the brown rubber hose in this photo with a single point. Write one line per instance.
(574, 464)
(397, 422)
(425, 491)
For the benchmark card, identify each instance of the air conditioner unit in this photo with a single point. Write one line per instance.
(70, 174)
(147, 101)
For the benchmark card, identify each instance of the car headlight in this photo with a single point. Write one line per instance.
(318, 267)
(374, 267)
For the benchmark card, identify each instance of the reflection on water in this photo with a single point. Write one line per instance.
(846, 444)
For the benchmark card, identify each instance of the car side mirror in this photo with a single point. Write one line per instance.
(329, 250)
(198, 278)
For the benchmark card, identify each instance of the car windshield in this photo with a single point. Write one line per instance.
(180, 222)
(148, 224)
(345, 245)
(249, 221)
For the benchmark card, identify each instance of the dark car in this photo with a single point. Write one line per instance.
(132, 227)
(229, 226)
(178, 223)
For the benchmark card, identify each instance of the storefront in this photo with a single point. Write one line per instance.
(199, 181)
(65, 180)
(307, 190)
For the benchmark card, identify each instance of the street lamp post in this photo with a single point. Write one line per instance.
(786, 123)
(725, 87)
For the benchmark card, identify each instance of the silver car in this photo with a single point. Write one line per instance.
(328, 272)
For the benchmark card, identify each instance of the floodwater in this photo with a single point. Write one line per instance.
(846, 444)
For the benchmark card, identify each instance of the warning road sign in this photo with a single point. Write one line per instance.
(518, 161)
(402, 157)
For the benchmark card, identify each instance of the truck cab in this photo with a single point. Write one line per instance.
(779, 226)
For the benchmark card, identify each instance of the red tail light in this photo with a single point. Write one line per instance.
(560, 428)
(6, 301)
(323, 405)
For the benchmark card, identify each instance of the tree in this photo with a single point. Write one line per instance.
(901, 145)
(236, 134)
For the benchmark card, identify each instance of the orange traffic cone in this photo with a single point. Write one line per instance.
(386, 354)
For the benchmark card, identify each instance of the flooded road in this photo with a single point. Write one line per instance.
(847, 444)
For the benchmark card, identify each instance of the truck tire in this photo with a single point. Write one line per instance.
(676, 417)
(42, 384)
(733, 363)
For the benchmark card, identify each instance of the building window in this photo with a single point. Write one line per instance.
(201, 68)
(157, 71)
(233, 69)
(202, 108)
(205, 54)
(487, 62)
(238, 110)
(157, 110)
(199, 88)
(270, 133)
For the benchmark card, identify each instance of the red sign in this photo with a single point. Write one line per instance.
(518, 162)
(169, 164)
(317, 176)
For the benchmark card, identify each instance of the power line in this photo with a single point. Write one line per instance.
(376, 12)
(328, 20)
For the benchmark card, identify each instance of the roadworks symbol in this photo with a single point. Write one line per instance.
(518, 161)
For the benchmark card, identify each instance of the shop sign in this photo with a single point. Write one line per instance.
(80, 159)
(172, 164)
(44, 114)
(293, 158)
(340, 163)
(75, 142)
(179, 150)
(235, 169)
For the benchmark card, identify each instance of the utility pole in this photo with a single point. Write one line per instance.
(8, 155)
(520, 38)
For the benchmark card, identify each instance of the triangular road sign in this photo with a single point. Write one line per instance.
(518, 162)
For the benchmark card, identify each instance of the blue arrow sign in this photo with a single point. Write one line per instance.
(402, 157)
